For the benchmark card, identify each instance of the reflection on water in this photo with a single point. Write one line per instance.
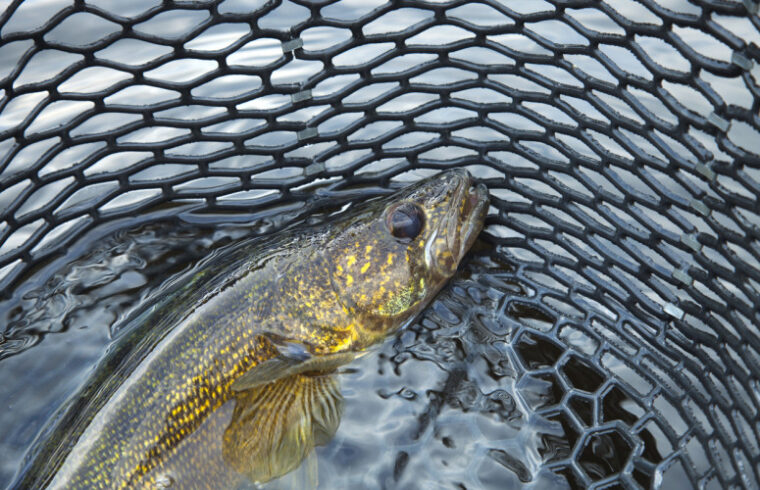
(450, 399)
(76, 312)
(472, 380)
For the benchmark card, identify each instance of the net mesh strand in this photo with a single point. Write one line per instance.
(619, 141)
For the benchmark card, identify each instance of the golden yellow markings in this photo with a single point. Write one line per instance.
(350, 260)
(365, 267)
(349, 280)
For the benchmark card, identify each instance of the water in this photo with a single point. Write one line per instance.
(443, 389)
(464, 395)
(70, 318)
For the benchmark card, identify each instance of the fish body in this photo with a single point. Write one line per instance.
(236, 377)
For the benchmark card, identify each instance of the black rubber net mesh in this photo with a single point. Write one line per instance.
(619, 142)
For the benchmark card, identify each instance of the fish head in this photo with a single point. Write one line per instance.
(395, 254)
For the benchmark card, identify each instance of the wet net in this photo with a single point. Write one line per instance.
(619, 142)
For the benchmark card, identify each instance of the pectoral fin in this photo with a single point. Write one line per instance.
(283, 366)
(275, 425)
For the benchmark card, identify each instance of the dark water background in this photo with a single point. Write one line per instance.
(431, 391)
(460, 397)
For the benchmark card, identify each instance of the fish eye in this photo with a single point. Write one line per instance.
(406, 221)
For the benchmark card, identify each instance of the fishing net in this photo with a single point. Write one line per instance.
(615, 307)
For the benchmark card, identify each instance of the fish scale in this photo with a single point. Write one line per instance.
(226, 354)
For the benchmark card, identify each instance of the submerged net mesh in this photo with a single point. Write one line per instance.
(619, 142)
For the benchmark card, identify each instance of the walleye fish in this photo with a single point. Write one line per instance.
(228, 379)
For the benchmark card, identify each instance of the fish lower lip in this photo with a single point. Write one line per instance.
(475, 196)
(476, 209)
(470, 219)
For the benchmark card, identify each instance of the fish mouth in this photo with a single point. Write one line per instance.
(474, 217)
(463, 221)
